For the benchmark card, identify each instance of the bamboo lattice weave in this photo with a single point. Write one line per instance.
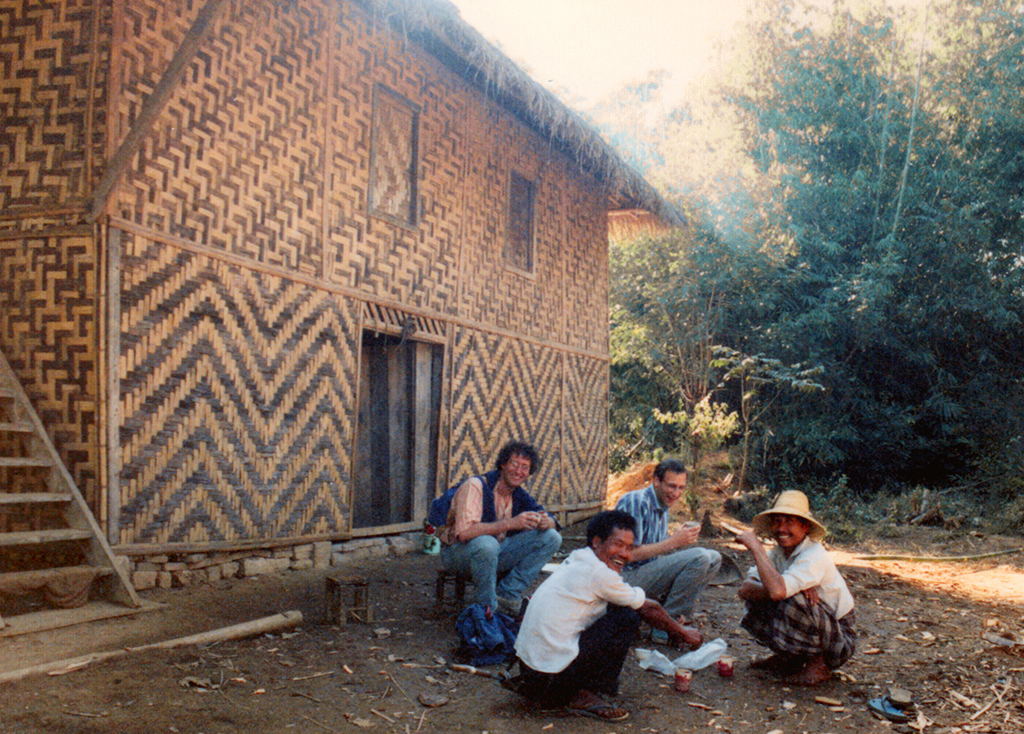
(504, 389)
(238, 395)
(49, 108)
(48, 303)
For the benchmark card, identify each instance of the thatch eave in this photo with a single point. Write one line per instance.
(438, 27)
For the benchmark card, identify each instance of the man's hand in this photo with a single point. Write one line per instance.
(532, 521)
(812, 596)
(748, 539)
(686, 535)
(687, 636)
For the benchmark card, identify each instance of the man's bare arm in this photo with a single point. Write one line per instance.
(772, 584)
(655, 615)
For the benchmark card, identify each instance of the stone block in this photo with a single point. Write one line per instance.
(261, 566)
(303, 551)
(157, 559)
(164, 579)
(322, 554)
(185, 577)
(400, 546)
(229, 569)
(302, 564)
(144, 580)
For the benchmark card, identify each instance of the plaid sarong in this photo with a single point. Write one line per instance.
(794, 627)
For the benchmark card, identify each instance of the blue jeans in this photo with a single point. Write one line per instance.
(676, 579)
(517, 560)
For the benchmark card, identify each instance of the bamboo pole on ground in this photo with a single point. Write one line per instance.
(260, 626)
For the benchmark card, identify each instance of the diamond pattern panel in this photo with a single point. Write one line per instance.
(586, 269)
(238, 398)
(416, 266)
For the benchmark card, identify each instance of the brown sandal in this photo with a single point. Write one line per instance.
(602, 710)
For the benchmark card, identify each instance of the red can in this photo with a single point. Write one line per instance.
(683, 678)
(725, 666)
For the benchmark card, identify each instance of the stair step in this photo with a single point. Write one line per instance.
(32, 498)
(45, 574)
(6, 426)
(26, 461)
(37, 537)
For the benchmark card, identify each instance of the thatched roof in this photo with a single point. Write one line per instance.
(631, 224)
(438, 27)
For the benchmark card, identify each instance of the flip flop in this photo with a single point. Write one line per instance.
(884, 708)
(602, 711)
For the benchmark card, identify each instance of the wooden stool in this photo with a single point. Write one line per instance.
(348, 599)
(459, 582)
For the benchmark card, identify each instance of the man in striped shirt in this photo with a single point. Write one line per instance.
(668, 568)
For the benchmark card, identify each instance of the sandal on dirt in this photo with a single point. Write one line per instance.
(884, 708)
(602, 711)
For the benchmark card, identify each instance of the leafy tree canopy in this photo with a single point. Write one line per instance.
(867, 223)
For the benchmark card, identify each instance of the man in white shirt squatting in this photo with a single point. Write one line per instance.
(798, 604)
(580, 623)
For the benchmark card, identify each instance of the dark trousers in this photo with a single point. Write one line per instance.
(603, 648)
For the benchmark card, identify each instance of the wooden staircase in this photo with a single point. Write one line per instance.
(47, 532)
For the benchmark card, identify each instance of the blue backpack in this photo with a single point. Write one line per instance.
(485, 637)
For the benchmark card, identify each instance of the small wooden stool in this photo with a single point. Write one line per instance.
(348, 599)
(458, 581)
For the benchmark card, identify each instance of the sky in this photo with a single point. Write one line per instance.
(595, 47)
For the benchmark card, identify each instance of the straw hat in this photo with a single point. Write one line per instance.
(790, 502)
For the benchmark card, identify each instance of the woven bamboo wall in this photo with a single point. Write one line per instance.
(48, 313)
(52, 102)
(52, 106)
(250, 262)
(238, 397)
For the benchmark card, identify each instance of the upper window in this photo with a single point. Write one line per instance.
(393, 157)
(519, 244)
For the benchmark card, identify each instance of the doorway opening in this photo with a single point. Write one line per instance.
(395, 466)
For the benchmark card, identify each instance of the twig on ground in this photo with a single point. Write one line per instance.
(307, 718)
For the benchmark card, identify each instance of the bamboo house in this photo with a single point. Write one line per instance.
(279, 271)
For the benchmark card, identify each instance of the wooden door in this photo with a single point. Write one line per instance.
(395, 467)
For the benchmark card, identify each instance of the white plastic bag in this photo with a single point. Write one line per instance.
(702, 657)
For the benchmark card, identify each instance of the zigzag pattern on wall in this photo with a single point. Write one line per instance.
(48, 330)
(585, 442)
(44, 105)
(238, 398)
(505, 389)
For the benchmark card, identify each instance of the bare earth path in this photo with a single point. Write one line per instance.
(921, 629)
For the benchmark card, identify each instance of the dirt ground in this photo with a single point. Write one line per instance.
(921, 627)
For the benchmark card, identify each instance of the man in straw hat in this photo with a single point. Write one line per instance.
(798, 604)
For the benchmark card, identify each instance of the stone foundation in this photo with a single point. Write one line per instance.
(189, 569)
